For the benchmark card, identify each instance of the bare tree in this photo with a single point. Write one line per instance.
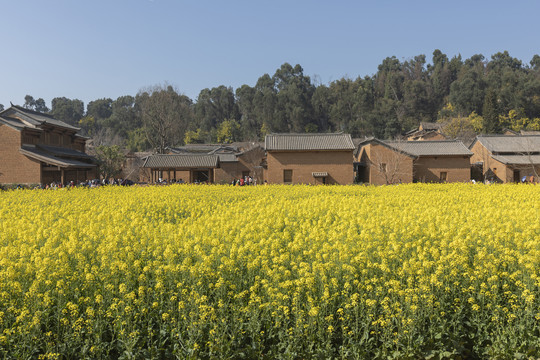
(532, 154)
(391, 164)
(165, 115)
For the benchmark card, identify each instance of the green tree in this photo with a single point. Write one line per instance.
(441, 77)
(110, 160)
(320, 101)
(99, 109)
(535, 62)
(215, 106)
(194, 136)
(137, 140)
(343, 110)
(88, 125)
(467, 93)
(36, 105)
(119, 115)
(460, 128)
(490, 114)
(265, 105)
(503, 60)
(41, 106)
(228, 132)
(67, 110)
(530, 96)
(293, 94)
(29, 102)
(250, 123)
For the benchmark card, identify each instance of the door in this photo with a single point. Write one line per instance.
(516, 176)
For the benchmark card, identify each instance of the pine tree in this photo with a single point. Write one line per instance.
(490, 113)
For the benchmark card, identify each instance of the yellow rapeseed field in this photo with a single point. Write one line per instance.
(186, 271)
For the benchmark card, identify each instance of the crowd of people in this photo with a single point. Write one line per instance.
(246, 180)
(54, 185)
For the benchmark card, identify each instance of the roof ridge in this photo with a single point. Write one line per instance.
(425, 141)
(508, 136)
(190, 154)
(305, 134)
(33, 111)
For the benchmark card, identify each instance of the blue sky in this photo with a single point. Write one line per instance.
(94, 49)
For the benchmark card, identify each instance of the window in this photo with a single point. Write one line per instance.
(382, 168)
(443, 176)
(287, 176)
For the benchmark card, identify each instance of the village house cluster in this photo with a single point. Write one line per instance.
(35, 148)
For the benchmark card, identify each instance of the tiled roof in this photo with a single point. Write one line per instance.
(65, 152)
(518, 159)
(358, 141)
(42, 155)
(226, 153)
(510, 144)
(181, 161)
(228, 157)
(426, 126)
(431, 148)
(35, 118)
(203, 148)
(296, 142)
(12, 122)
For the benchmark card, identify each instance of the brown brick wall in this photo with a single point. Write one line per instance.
(229, 171)
(491, 167)
(429, 168)
(15, 168)
(399, 167)
(495, 170)
(338, 165)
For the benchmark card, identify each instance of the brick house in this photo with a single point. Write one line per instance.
(36, 148)
(180, 167)
(390, 162)
(506, 158)
(213, 163)
(309, 158)
(426, 132)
